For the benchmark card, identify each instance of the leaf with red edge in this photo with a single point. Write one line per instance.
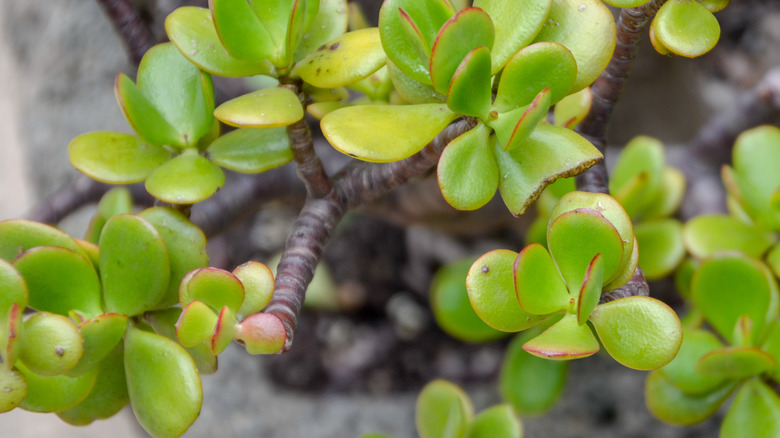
(467, 170)
(531, 70)
(564, 340)
(590, 292)
(469, 91)
(540, 288)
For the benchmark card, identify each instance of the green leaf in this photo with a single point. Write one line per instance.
(344, 60)
(108, 396)
(452, 308)
(51, 344)
(531, 70)
(269, 107)
(164, 323)
(162, 382)
(498, 421)
(14, 389)
(564, 340)
(756, 154)
(640, 165)
(224, 331)
(101, 334)
(577, 236)
(467, 170)
(755, 412)
(772, 346)
(469, 90)
(513, 30)
(625, 3)
(735, 363)
(114, 157)
(192, 30)
(540, 288)
(60, 280)
(14, 290)
(715, 5)
(639, 332)
(428, 17)
(587, 29)
(661, 245)
(707, 235)
(371, 132)
(572, 109)
(490, 284)
(590, 292)
(186, 179)
(261, 333)
(670, 404)
(467, 30)
(183, 94)
(55, 393)
(196, 324)
(443, 411)
(681, 371)
(214, 287)
(669, 196)
(252, 150)
(241, 31)
(116, 201)
(549, 153)
(19, 235)
(258, 282)
(412, 90)
(730, 285)
(186, 245)
(531, 384)
(330, 22)
(530, 117)
(134, 265)
(141, 114)
(686, 28)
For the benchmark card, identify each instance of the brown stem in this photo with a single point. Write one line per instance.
(636, 287)
(607, 88)
(135, 33)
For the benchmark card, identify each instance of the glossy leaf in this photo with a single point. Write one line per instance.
(428, 18)
(756, 153)
(214, 287)
(14, 290)
(224, 330)
(731, 285)
(575, 237)
(530, 117)
(258, 282)
(101, 334)
(531, 70)
(467, 30)
(108, 396)
(669, 196)
(19, 235)
(469, 90)
(452, 308)
(531, 384)
(114, 157)
(330, 22)
(186, 179)
(186, 245)
(590, 292)
(706, 235)
(59, 280)
(370, 132)
(240, 30)
(686, 28)
(671, 405)
(14, 389)
(490, 284)
(261, 333)
(410, 89)
(141, 114)
(661, 245)
(564, 340)
(639, 332)
(11, 328)
(116, 201)
(498, 421)
(549, 153)
(540, 288)
(513, 30)
(587, 29)
(467, 171)
(627, 271)
(443, 411)
(735, 362)
(55, 393)
(196, 324)
(51, 344)
(252, 150)
(164, 323)
(162, 382)
(641, 160)
(134, 265)
(269, 107)
(572, 109)
(681, 371)
(344, 60)
(192, 30)
(755, 412)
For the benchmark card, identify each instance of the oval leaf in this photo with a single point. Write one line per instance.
(212, 286)
(345, 60)
(469, 91)
(686, 28)
(443, 410)
(564, 340)
(19, 235)
(467, 171)
(55, 393)
(754, 412)
(681, 372)
(670, 404)
(187, 179)
(661, 245)
(735, 362)
(51, 345)
(114, 157)
(496, 422)
(252, 150)
(258, 282)
(540, 288)
(269, 107)
(101, 334)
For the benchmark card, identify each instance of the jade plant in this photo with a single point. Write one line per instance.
(133, 313)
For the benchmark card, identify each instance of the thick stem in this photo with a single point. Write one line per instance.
(135, 33)
(607, 88)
